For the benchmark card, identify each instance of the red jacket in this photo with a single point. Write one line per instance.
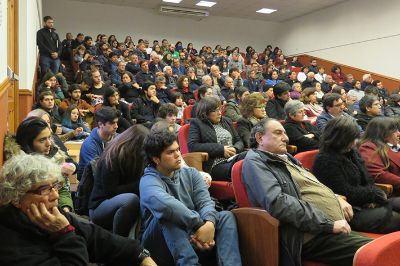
(376, 168)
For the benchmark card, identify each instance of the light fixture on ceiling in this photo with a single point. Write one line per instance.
(205, 3)
(266, 10)
(172, 1)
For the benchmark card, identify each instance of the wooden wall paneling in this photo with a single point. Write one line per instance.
(4, 89)
(391, 84)
(25, 102)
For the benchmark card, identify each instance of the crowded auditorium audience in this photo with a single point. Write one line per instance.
(126, 101)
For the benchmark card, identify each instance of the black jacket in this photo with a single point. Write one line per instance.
(347, 175)
(296, 132)
(27, 244)
(244, 127)
(275, 109)
(144, 110)
(128, 92)
(48, 42)
(363, 120)
(142, 77)
(202, 138)
(110, 182)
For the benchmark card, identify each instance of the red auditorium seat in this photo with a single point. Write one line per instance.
(187, 114)
(383, 251)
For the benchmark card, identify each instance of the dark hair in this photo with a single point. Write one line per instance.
(173, 95)
(179, 82)
(329, 99)
(46, 18)
(106, 114)
(260, 127)
(337, 89)
(370, 89)
(239, 91)
(87, 38)
(375, 82)
(125, 152)
(339, 133)
(147, 84)
(205, 106)
(233, 69)
(66, 119)
(108, 91)
(156, 143)
(73, 87)
(202, 90)
(27, 131)
(377, 132)
(366, 101)
(166, 109)
(335, 67)
(305, 94)
(394, 99)
(112, 54)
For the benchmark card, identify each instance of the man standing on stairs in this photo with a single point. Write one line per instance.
(49, 47)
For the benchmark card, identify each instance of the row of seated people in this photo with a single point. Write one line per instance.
(160, 211)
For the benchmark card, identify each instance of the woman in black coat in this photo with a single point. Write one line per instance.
(301, 133)
(340, 167)
(214, 134)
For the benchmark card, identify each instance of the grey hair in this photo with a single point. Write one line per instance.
(166, 67)
(291, 107)
(260, 127)
(22, 172)
(37, 113)
(366, 76)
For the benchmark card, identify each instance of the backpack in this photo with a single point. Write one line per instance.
(85, 188)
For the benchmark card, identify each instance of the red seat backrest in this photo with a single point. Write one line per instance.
(187, 113)
(381, 251)
(307, 158)
(183, 138)
(238, 186)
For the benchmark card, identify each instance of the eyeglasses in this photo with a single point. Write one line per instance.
(260, 107)
(338, 104)
(46, 190)
(217, 110)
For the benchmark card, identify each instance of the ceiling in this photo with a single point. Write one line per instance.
(287, 9)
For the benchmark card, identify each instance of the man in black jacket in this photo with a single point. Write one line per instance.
(313, 220)
(49, 47)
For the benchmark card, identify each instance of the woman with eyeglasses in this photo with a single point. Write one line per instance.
(36, 231)
(34, 136)
(253, 111)
(212, 133)
(300, 132)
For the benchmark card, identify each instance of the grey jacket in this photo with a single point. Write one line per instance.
(270, 186)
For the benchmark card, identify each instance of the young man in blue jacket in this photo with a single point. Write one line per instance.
(180, 220)
(93, 146)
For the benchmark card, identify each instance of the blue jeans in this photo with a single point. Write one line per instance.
(46, 63)
(117, 214)
(170, 244)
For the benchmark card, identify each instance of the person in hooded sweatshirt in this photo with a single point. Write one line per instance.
(179, 217)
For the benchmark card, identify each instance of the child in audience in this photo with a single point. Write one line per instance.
(169, 112)
(177, 100)
(72, 121)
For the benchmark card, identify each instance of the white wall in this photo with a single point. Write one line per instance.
(30, 17)
(346, 24)
(94, 18)
(3, 40)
